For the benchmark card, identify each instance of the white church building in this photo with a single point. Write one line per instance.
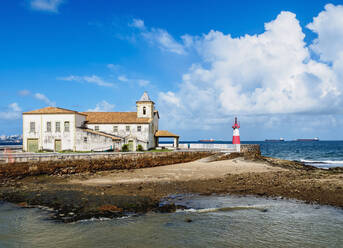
(58, 129)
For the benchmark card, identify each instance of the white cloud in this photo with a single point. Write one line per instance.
(113, 67)
(170, 98)
(159, 37)
(123, 78)
(13, 112)
(328, 25)
(87, 79)
(46, 5)
(164, 41)
(45, 99)
(97, 80)
(259, 75)
(24, 92)
(137, 23)
(102, 106)
(143, 82)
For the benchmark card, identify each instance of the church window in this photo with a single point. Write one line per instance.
(115, 129)
(48, 126)
(32, 127)
(144, 110)
(58, 127)
(96, 128)
(85, 139)
(127, 128)
(139, 128)
(66, 126)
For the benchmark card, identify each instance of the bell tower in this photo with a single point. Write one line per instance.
(145, 107)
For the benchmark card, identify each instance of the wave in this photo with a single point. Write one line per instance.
(322, 161)
(224, 209)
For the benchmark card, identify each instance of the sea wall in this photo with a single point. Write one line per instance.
(253, 149)
(101, 163)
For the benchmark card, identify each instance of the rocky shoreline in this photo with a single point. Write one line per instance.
(72, 202)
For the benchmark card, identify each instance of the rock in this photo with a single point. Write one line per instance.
(188, 220)
(109, 208)
(23, 204)
(167, 208)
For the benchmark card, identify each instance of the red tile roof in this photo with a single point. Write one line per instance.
(165, 133)
(52, 110)
(113, 137)
(115, 118)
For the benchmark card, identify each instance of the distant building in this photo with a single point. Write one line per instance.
(57, 129)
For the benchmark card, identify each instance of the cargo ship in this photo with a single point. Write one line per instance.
(209, 140)
(315, 139)
(274, 140)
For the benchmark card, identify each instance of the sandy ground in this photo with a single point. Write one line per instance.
(197, 170)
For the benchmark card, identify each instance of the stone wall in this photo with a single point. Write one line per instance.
(250, 149)
(99, 163)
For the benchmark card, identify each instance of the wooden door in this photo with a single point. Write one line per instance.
(131, 145)
(32, 145)
(58, 145)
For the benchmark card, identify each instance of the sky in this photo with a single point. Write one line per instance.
(276, 65)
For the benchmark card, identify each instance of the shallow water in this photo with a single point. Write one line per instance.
(244, 222)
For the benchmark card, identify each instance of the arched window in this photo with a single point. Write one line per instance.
(144, 110)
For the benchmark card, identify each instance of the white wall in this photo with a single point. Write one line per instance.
(149, 109)
(94, 142)
(80, 120)
(26, 128)
(46, 140)
(143, 136)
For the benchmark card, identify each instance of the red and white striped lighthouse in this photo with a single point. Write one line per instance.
(235, 138)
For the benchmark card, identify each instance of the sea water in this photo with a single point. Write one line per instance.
(322, 154)
(211, 221)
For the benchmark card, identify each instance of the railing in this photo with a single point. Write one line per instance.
(12, 147)
(206, 146)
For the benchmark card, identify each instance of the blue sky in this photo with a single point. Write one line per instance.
(274, 64)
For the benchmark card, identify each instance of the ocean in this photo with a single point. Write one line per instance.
(323, 154)
(211, 221)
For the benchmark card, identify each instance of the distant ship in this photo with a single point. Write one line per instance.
(274, 140)
(209, 140)
(315, 139)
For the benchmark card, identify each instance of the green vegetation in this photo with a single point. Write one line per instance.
(139, 148)
(44, 151)
(125, 148)
(160, 150)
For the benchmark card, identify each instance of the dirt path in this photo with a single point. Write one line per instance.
(197, 170)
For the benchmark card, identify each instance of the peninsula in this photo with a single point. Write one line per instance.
(81, 189)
